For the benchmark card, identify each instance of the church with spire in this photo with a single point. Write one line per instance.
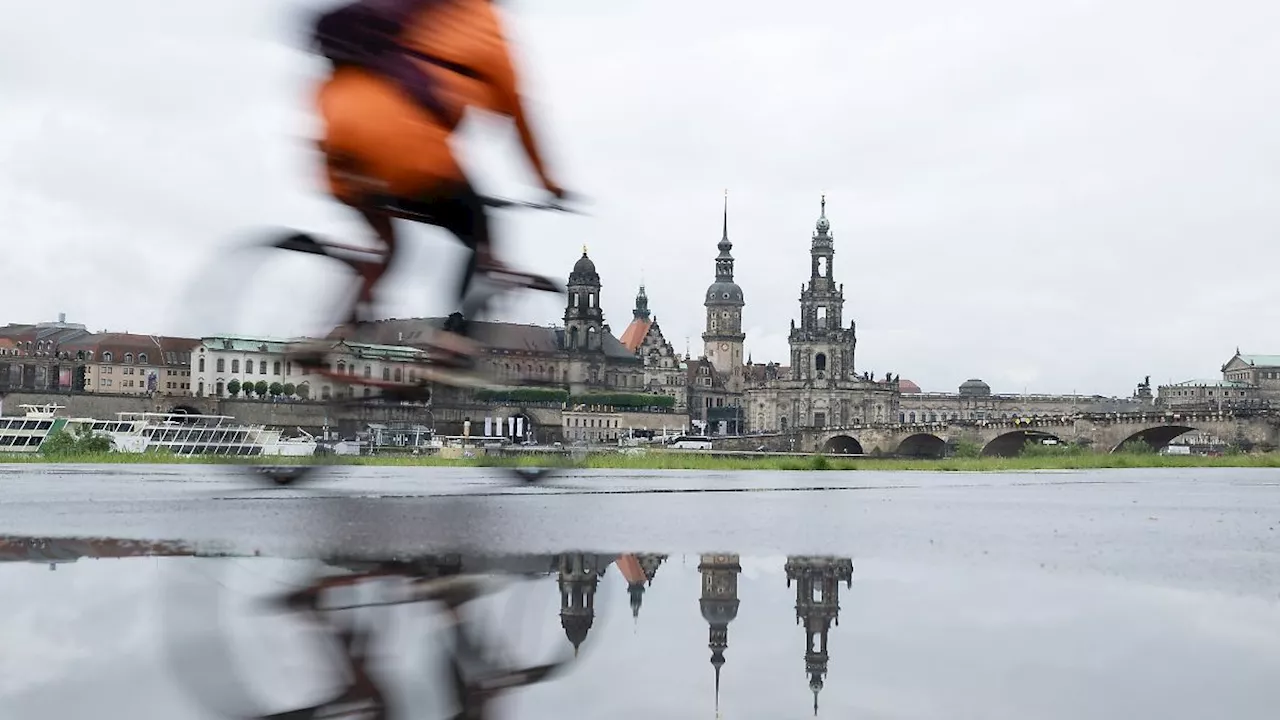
(821, 385)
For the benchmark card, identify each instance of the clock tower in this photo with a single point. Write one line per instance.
(723, 337)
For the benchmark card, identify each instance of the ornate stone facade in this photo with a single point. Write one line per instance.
(821, 386)
(663, 367)
(723, 337)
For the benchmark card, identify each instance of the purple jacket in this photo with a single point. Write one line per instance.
(366, 32)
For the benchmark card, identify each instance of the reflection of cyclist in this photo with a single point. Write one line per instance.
(405, 71)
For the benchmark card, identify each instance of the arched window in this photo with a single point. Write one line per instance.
(222, 365)
(342, 367)
(368, 371)
(235, 366)
(913, 417)
(201, 365)
(106, 356)
(275, 368)
(398, 375)
(262, 367)
(128, 358)
(142, 358)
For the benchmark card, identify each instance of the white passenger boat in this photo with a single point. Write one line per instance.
(179, 433)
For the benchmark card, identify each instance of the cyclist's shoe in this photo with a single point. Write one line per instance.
(505, 275)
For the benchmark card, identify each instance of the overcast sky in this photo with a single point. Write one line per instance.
(1049, 196)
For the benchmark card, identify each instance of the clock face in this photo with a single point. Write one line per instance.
(724, 347)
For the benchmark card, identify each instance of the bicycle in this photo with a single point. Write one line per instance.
(426, 366)
(476, 676)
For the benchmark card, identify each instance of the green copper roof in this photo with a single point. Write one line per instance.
(1262, 360)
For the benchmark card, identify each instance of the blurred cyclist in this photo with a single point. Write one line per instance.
(404, 73)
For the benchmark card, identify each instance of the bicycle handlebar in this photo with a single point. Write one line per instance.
(503, 203)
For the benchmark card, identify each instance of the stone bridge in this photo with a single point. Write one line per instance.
(1101, 432)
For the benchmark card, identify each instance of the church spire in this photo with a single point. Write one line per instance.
(725, 234)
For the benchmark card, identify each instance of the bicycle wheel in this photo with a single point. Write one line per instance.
(272, 288)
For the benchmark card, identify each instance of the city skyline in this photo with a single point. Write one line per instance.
(1043, 236)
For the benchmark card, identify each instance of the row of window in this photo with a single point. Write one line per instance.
(576, 422)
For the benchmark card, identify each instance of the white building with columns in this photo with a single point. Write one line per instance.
(217, 361)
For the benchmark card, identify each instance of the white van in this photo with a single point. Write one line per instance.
(691, 442)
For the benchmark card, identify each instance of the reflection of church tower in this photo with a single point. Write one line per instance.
(578, 578)
(818, 606)
(648, 563)
(719, 605)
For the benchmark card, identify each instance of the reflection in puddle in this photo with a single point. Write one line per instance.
(168, 631)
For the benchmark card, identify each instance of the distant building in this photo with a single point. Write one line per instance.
(664, 371)
(974, 400)
(32, 356)
(217, 362)
(130, 364)
(1248, 381)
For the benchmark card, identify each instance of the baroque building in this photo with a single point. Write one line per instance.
(583, 355)
(715, 380)
(820, 387)
(663, 367)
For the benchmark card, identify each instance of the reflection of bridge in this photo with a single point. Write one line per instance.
(1101, 432)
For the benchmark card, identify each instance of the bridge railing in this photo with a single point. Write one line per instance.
(1155, 416)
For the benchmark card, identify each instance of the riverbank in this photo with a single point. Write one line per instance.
(694, 461)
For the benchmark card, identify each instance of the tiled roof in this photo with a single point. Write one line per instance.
(635, 334)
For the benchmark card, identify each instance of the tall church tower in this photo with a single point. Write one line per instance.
(723, 337)
(821, 349)
(583, 318)
(719, 605)
(817, 582)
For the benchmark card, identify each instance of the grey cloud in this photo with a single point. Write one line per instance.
(1061, 197)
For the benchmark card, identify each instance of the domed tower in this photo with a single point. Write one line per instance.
(974, 388)
(723, 338)
(583, 318)
(578, 578)
(719, 605)
(821, 348)
(817, 582)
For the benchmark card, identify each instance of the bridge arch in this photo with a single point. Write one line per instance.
(1010, 444)
(923, 445)
(842, 445)
(185, 410)
(1156, 437)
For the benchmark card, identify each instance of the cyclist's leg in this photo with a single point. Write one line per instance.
(454, 206)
